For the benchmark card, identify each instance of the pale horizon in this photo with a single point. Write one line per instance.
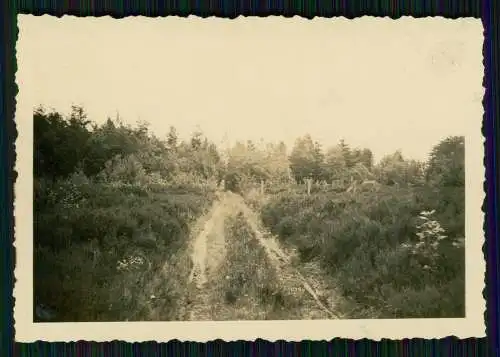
(405, 90)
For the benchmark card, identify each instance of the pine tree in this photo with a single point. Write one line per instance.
(196, 140)
(172, 139)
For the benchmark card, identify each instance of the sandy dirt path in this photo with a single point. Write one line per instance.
(324, 300)
(208, 250)
(212, 254)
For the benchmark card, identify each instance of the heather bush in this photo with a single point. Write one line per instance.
(112, 194)
(385, 251)
(84, 228)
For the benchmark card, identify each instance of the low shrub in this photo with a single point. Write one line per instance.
(83, 230)
(364, 241)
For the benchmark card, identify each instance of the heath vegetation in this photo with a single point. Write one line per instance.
(114, 207)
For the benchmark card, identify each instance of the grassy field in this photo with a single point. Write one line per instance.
(368, 244)
(100, 246)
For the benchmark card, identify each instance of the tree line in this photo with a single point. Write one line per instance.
(65, 144)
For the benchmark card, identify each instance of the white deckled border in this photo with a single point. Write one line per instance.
(27, 331)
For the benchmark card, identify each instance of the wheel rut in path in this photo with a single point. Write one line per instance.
(282, 263)
(208, 249)
(207, 252)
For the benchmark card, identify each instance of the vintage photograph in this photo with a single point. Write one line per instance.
(228, 170)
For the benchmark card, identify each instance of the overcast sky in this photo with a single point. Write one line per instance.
(378, 83)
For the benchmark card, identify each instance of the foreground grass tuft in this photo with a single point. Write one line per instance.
(249, 287)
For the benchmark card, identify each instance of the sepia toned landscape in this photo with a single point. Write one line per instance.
(133, 227)
(282, 179)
